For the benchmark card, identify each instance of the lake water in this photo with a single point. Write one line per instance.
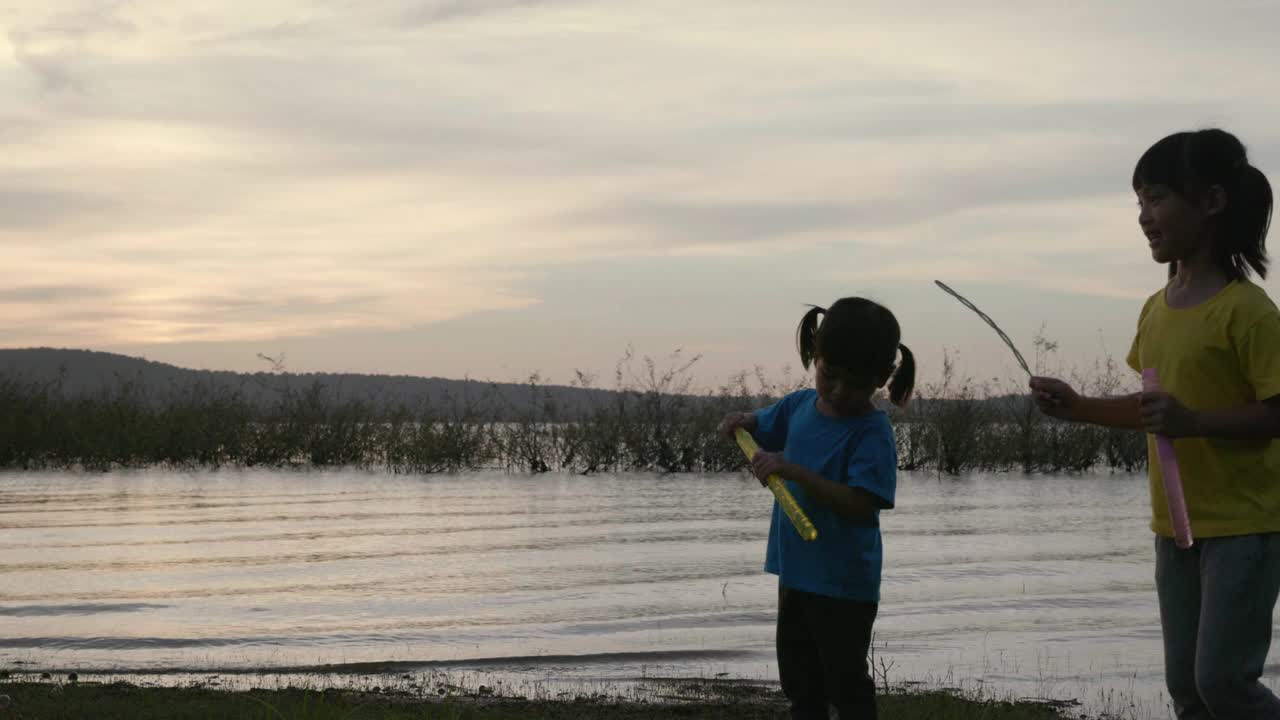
(1038, 586)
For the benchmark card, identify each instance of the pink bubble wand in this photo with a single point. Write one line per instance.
(1169, 473)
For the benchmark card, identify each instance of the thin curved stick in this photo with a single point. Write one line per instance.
(989, 321)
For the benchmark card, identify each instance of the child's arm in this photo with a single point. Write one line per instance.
(1164, 415)
(1058, 399)
(768, 426)
(734, 420)
(853, 503)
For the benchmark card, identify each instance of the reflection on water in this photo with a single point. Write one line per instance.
(1037, 585)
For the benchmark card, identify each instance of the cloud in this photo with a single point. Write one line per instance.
(54, 69)
(672, 222)
(436, 11)
(907, 198)
(56, 49)
(238, 171)
(52, 293)
(25, 208)
(238, 310)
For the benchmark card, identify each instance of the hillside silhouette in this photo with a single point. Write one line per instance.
(88, 373)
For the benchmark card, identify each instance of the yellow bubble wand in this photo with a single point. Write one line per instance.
(799, 520)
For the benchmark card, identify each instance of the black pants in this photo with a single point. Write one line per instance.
(822, 655)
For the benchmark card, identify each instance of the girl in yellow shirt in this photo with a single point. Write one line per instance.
(1214, 339)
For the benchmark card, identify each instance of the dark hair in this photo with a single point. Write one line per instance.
(1190, 163)
(861, 336)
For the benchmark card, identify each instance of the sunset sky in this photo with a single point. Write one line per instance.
(491, 188)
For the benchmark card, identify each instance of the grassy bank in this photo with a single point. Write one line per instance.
(655, 422)
(684, 699)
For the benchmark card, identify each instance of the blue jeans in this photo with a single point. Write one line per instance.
(1216, 604)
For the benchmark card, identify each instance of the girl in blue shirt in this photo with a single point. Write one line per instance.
(835, 450)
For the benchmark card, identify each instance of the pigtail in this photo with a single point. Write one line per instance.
(807, 335)
(903, 380)
(1248, 217)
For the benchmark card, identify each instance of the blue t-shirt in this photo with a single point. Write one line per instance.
(859, 451)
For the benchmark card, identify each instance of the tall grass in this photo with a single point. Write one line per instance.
(656, 422)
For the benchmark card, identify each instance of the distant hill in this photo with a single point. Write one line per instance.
(87, 372)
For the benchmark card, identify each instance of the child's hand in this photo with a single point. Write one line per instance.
(764, 464)
(735, 420)
(1162, 414)
(1054, 397)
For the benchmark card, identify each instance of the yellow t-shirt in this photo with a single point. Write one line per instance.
(1222, 353)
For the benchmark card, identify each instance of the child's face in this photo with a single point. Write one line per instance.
(1174, 226)
(844, 392)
